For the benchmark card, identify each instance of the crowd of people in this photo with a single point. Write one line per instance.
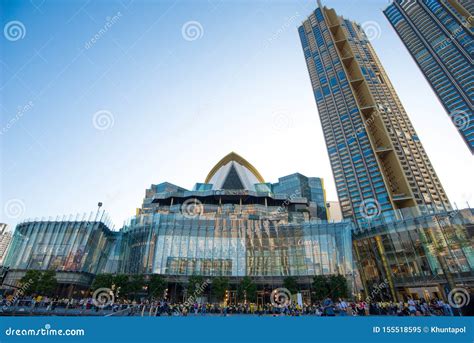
(327, 307)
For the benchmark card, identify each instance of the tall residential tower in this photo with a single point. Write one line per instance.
(378, 161)
(439, 36)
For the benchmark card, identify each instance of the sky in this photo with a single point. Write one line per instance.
(101, 99)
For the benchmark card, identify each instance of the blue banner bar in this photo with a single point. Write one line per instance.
(237, 329)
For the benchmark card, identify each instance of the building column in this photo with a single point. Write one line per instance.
(361, 269)
(388, 273)
(70, 291)
(440, 251)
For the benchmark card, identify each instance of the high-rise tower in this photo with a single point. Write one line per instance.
(378, 161)
(439, 36)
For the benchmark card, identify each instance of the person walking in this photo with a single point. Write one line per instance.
(411, 306)
(328, 307)
(343, 307)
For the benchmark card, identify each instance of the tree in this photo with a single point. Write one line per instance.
(220, 285)
(135, 285)
(338, 286)
(290, 283)
(38, 282)
(30, 282)
(157, 286)
(120, 281)
(247, 290)
(320, 287)
(195, 283)
(103, 281)
(48, 283)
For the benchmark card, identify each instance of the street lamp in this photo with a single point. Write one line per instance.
(99, 205)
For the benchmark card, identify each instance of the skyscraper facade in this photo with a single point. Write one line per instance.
(439, 36)
(5, 238)
(379, 164)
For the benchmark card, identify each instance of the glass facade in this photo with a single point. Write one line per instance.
(262, 230)
(431, 251)
(439, 36)
(84, 245)
(175, 245)
(411, 255)
(374, 151)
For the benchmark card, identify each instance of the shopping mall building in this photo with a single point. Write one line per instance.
(235, 224)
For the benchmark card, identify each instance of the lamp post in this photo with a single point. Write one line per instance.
(99, 205)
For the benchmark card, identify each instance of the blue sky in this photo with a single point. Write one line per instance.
(149, 101)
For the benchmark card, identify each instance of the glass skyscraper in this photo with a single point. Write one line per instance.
(439, 36)
(379, 164)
